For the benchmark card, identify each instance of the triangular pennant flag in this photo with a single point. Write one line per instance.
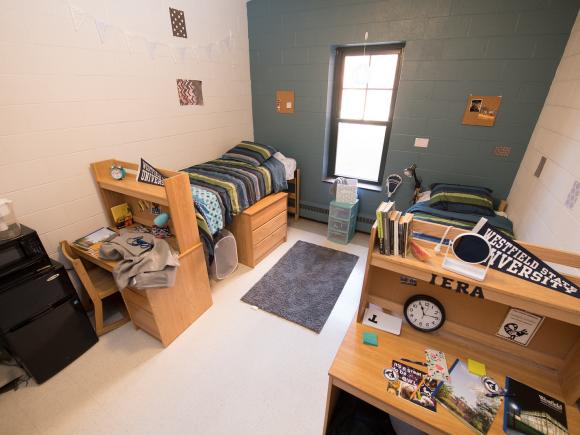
(78, 16)
(127, 36)
(151, 49)
(509, 257)
(101, 29)
(148, 174)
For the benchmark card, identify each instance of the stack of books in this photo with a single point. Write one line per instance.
(92, 242)
(394, 229)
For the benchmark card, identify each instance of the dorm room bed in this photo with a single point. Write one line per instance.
(226, 188)
(458, 206)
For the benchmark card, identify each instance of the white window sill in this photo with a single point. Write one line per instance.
(361, 185)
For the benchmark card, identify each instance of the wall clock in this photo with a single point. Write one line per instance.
(424, 313)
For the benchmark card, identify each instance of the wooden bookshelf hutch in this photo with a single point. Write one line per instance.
(164, 313)
(550, 363)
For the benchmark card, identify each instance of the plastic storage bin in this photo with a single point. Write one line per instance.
(225, 259)
(342, 210)
(342, 222)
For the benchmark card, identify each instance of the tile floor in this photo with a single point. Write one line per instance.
(234, 371)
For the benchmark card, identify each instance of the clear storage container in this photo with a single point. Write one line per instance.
(9, 227)
(342, 210)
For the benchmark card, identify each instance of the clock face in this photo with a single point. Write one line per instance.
(117, 173)
(424, 313)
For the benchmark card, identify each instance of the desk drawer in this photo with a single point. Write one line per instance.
(270, 212)
(269, 243)
(137, 299)
(143, 319)
(269, 227)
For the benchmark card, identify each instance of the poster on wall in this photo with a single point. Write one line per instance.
(189, 92)
(481, 110)
(177, 18)
(509, 257)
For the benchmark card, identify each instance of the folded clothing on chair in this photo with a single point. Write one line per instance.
(145, 262)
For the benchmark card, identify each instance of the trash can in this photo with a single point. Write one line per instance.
(225, 259)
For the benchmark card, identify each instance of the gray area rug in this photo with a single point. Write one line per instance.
(304, 285)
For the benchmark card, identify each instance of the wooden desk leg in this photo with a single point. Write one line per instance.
(331, 398)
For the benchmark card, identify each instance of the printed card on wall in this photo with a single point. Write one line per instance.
(189, 92)
(148, 174)
(178, 23)
(519, 326)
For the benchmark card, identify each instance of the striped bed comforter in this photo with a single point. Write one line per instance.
(223, 188)
(466, 221)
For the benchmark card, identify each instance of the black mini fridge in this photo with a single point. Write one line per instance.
(42, 322)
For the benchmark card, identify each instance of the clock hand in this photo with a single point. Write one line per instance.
(427, 315)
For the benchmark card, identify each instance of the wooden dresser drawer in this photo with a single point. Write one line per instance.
(143, 319)
(271, 211)
(269, 227)
(135, 298)
(269, 243)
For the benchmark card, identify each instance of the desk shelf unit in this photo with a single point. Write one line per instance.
(550, 363)
(162, 312)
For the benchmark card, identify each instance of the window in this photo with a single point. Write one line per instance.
(365, 87)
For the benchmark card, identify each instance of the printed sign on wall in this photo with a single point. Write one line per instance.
(519, 326)
(178, 23)
(189, 92)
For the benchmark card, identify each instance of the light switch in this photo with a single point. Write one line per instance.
(422, 142)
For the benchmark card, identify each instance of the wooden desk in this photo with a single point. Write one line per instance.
(549, 363)
(162, 312)
(358, 370)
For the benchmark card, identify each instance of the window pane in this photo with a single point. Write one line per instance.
(356, 72)
(382, 71)
(359, 149)
(352, 104)
(378, 105)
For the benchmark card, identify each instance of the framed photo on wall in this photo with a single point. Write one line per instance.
(481, 110)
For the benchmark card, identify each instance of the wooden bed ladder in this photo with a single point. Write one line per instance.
(294, 195)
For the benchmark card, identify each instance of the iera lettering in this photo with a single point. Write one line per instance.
(459, 286)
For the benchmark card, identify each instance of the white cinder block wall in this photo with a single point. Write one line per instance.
(67, 99)
(537, 205)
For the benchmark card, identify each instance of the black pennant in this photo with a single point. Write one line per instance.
(148, 174)
(509, 257)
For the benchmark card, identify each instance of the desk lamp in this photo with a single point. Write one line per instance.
(411, 172)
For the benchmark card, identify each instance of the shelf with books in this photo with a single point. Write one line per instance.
(474, 313)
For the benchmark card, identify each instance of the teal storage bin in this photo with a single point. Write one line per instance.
(342, 222)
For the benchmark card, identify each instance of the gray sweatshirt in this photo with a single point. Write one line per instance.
(145, 262)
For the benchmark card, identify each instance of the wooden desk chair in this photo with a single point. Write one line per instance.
(99, 285)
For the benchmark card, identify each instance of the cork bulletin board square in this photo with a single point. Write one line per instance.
(285, 101)
(481, 110)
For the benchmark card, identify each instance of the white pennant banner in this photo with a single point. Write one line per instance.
(101, 27)
(78, 16)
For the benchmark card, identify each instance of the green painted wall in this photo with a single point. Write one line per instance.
(453, 48)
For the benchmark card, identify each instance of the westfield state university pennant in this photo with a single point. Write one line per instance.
(509, 257)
